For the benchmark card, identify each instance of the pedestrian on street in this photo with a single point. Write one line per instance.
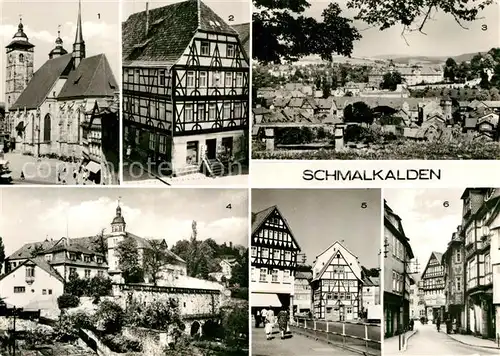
(283, 322)
(412, 324)
(257, 318)
(269, 323)
(438, 323)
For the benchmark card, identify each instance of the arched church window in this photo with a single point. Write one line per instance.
(21, 58)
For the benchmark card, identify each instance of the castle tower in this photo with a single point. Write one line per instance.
(79, 45)
(19, 66)
(59, 49)
(117, 235)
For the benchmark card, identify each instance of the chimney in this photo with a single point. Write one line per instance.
(147, 18)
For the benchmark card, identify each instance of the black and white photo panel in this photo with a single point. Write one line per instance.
(441, 271)
(186, 84)
(315, 272)
(124, 271)
(59, 96)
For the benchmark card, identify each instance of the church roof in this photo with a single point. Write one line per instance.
(170, 31)
(92, 78)
(43, 80)
(243, 30)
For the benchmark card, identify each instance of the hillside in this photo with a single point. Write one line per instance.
(428, 59)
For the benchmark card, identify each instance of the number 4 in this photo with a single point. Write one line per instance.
(228, 206)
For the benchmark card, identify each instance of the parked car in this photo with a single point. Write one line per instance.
(5, 172)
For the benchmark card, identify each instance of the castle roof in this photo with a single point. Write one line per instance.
(170, 31)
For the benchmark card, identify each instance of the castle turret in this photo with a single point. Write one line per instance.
(79, 45)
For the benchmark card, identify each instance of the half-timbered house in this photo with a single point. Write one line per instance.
(433, 285)
(185, 87)
(273, 261)
(337, 285)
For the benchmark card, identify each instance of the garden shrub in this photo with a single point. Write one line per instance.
(110, 317)
(68, 301)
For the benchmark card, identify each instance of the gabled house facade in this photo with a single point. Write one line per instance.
(337, 285)
(434, 287)
(273, 261)
(480, 232)
(33, 281)
(397, 280)
(186, 86)
(453, 261)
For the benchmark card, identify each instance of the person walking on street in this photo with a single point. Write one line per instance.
(283, 322)
(269, 323)
(438, 323)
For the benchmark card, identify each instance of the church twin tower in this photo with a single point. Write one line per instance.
(20, 54)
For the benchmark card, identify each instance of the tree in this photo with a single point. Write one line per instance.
(2, 254)
(391, 80)
(75, 285)
(485, 83)
(128, 260)
(358, 112)
(317, 83)
(156, 256)
(199, 255)
(239, 274)
(450, 69)
(67, 301)
(281, 31)
(99, 287)
(414, 14)
(110, 317)
(326, 88)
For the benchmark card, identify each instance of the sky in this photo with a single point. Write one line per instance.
(34, 214)
(426, 220)
(319, 217)
(444, 36)
(239, 9)
(41, 18)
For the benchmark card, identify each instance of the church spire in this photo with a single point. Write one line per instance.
(79, 45)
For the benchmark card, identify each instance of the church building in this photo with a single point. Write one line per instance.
(46, 108)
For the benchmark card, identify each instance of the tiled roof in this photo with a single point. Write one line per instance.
(40, 262)
(259, 217)
(171, 29)
(26, 251)
(92, 78)
(43, 80)
(244, 35)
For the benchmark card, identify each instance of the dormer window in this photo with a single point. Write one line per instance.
(48, 257)
(87, 258)
(99, 260)
(21, 58)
